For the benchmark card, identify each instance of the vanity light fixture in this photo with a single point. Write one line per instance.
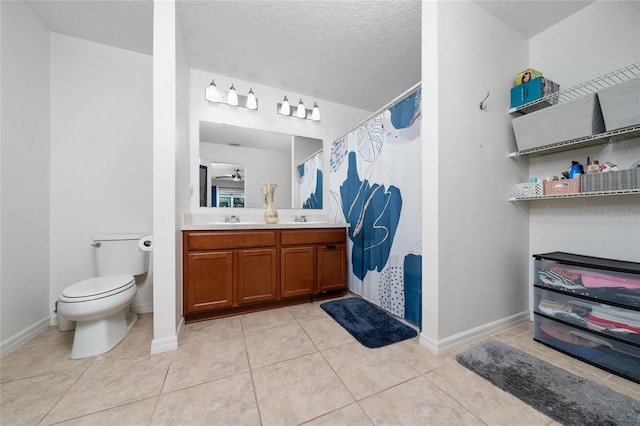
(232, 96)
(315, 114)
(211, 91)
(301, 112)
(284, 108)
(252, 102)
(212, 94)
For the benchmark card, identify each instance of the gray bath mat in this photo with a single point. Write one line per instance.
(563, 396)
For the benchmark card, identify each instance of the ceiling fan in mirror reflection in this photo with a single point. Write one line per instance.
(235, 176)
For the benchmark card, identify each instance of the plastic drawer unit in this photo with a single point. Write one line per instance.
(589, 308)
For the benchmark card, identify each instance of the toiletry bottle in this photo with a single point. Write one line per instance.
(574, 171)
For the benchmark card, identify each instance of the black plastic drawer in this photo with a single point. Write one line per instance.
(609, 354)
(618, 288)
(612, 321)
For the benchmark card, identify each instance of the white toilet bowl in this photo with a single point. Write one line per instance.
(100, 308)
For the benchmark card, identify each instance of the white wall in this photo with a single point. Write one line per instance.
(482, 239)
(336, 119)
(170, 172)
(601, 38)
(25, 210)
(183, 172)
(101, 155)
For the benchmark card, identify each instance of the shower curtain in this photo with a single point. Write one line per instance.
(375, 186)
(309, 176)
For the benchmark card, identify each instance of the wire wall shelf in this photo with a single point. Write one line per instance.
(611, 79)
(580, 195)
(598, 139)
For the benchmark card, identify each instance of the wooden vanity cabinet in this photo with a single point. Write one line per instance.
(323, 254)
(237, 271)
(332, 267)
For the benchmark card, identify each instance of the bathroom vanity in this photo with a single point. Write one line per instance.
(239, 268)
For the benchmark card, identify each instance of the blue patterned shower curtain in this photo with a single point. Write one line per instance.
(375, 186)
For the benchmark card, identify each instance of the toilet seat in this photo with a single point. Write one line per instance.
(97, 288)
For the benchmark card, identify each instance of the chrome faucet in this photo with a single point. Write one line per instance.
(302, 218)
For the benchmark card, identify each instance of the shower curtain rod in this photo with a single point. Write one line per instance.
(396, 99)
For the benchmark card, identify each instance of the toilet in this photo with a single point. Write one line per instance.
(100, 305)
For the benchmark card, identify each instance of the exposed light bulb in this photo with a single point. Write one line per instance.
(285, 108)
(252, 102)
(211, 92)
(315, 114)
(301, 112)
(232, 97)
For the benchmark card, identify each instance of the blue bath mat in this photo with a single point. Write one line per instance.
(369, 324)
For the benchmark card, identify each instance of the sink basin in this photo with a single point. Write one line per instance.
(303, 223)
(236, 223)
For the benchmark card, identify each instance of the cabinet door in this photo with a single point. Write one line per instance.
(209, 282)
(257, 275)
(296, 271)
(332, 267)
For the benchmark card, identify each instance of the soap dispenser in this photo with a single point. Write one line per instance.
(574, 171)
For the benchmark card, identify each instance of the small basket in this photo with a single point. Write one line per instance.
(562, 186)
(528, 189)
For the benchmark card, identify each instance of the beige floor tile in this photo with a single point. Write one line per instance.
(228, 401)
(27, 401)
(306, 310)
(325, 332)
(366, 371)
(277, 344)
(134, 414)
(298, 390)
(211, 330)
(525, 328)
(416, 402)
(109, 384)
(203, 362)
(351, 415)
(46, 353)
(418, 357)
(266, 319)
(487, 402)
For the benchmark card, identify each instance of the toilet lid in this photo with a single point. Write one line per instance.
(98, 286)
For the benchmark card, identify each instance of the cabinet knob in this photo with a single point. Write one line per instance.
(331, 247)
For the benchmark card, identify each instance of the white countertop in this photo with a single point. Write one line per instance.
(222, 226)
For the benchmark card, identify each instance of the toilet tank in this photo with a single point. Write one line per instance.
(119, 254)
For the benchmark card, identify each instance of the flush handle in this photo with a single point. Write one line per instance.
(96, 244)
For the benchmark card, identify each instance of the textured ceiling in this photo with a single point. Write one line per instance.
(357, 53)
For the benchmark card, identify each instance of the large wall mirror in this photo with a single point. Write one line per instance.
(235, 162)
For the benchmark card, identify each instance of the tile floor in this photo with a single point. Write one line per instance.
(288, 366)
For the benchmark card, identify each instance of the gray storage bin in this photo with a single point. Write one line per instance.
(621, 104)
(565, 121)
(611, 181)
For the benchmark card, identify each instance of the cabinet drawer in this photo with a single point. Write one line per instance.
(616, 322)
(616, 287)
(616, 357)
(312, 236)
(220, 240)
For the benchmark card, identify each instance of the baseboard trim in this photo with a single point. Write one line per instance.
(24, 336)
(448, 344)
(180, 329)
(164, 344)
(144, 308)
